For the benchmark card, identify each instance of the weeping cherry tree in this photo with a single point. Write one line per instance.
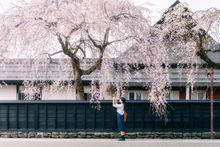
(71, 29)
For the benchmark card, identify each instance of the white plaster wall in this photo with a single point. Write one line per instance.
(87, 89)
(103, 95)
(65, 95)
(106, 96)
(8, 92)
(62, 94)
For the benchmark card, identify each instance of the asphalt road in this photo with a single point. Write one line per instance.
(13, 142)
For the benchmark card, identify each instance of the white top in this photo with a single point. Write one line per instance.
(120, 108)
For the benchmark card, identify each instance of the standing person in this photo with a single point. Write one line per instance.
(120, 116)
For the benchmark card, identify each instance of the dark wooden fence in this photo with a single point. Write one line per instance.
(79, 116)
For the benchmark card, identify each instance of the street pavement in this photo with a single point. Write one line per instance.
(17, 142)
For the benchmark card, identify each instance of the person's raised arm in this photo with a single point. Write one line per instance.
(114, 102)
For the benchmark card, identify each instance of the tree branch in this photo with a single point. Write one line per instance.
(78, 47)
(105, 10)
(66, 49)
(120, 40)
(49, 55)
(202, 53)
(205, 58)
(214, 51)
(106, 36)
(79, 26)
(121, 15)
(84, 53)
(96, 65)
(93, 41)
(55, 53)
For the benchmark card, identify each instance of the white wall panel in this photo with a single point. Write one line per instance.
(8, 92)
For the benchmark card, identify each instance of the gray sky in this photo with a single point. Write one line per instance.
(157, 7)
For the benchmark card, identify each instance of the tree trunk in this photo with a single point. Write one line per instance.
(77, 73)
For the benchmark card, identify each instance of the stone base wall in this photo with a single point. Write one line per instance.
(131, 135)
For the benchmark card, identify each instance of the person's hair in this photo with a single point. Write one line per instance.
(123, 100)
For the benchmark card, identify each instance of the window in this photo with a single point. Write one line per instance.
(134, 96)
(87, 96)
(198, 95)
(138, 96)
(131, 96)
(36, 95)
(173, 95)
(201, 95)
